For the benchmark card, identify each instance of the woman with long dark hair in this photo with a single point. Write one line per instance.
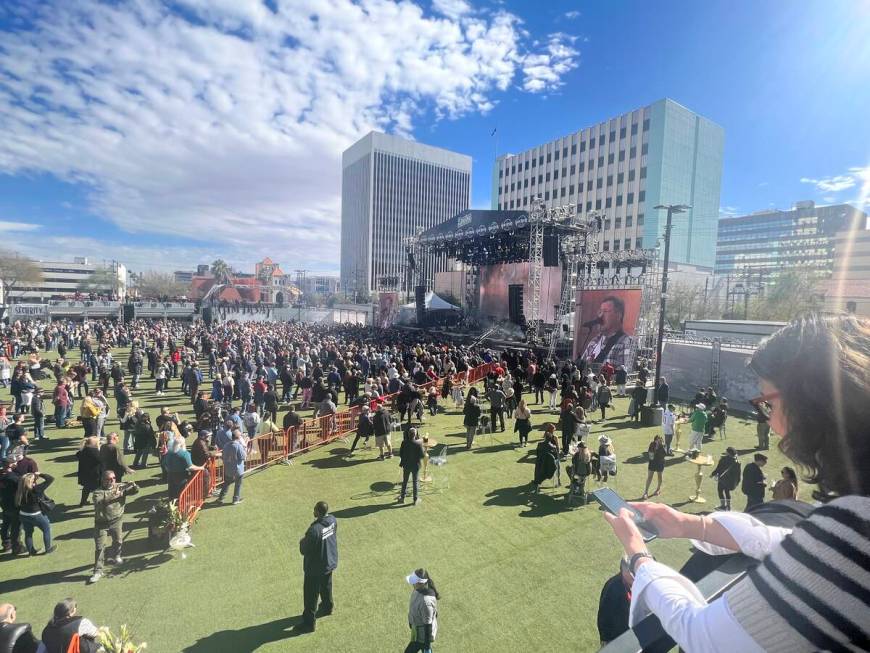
(811, 590)
(422, 611)
(29, 498)
(656, 465)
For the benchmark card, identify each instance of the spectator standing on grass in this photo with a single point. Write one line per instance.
(727, 475)
(496, 407)
(178, 464)
(37, 411)
(112, 457)
(787, 486)
(29, 499)
(754, 483)
(234, 455)
(603, 397)
(15, 637)
(523, 422)
(471, 419)
(422, 611)
(382, 427)
(410, 454)
(364, 428)
(546, 458)
(762, 423)
(656, 465)
(10, 528)
(319, 549)
(638, 400)
(66, 626)
(61, 400)
(109, 503)
(89, 467)
(144, 441)
(698, 420)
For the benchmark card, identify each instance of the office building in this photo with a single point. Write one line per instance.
(758, 247)
(848, 289)
(65, 280)
(391, 188)
(624, 166)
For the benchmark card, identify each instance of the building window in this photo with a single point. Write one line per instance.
(597, 205)
(583, 146)
(499, 206)
(541, 159)
(533, 181)
(588, 206)
(548, 176)
(600, 161)
(643, 173)
(628, 220)
(610, 180)
(601, 140)
(512, 204)
(534, 163)
(622, 155)
(513, 170)
(564, 171)
(526, 165)
(540, 179)
(620, 178)
(631, 175)
(573, 169)
(589, 185)
(612, 135)
(546, 195)
(500, 173)
(851, 307)
(644, 148)
(549, 157)
(513, 186)
(607, 224)
(627, 243)
(638, 243)
(591, 142)
(610, 158)
(619, 200)
(641, 196)
(599, 183)
(633, 128)
(622, 132)
(573, 148)
(499, 190)
(617, 223)
(581, 166)
(632, 152)
(525, 183)
(557, 155)
(562, 194)
(640, 219)
(630, 199)
(565, 151)
(608, 203)
(571, 189)
(615, 245)
(646, 125)
(606, 245)
(525, 200)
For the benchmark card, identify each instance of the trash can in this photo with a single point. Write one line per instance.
(651, 416)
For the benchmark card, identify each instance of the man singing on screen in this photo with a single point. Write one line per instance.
(611, 344)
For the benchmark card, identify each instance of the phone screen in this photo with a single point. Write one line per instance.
(612, 503)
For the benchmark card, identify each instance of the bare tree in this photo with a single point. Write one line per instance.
(103, 279)
(159, 284)
(17, 272)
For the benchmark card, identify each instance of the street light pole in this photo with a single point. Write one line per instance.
(671, 209)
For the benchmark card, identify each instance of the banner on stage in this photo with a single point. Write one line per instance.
(388, 309)
(604, 326)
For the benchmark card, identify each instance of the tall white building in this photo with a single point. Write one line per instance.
(624, 166)
(61, 279)
(390, 188)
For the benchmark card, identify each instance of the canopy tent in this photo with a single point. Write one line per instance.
(433, 303)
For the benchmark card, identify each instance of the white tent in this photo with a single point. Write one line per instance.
(433, 303)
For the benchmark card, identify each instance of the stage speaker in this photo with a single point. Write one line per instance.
(420, 299)
(129, 313)
(515, 303)
(551, 250)
(207, 315)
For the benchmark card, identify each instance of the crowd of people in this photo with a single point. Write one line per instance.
(239, 376)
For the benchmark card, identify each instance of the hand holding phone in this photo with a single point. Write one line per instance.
(613, 503)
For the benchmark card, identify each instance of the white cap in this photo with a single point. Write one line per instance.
(413, 579)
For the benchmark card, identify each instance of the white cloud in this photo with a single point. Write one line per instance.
(571, 15)
(226, 124)
(831, 184)
(544, 72)
(728, 211)
(8, 226)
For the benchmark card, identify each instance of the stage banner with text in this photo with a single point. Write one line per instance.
(388, 309)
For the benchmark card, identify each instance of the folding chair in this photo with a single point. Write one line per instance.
(440, 479)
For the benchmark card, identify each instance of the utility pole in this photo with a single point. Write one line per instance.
(671, 209)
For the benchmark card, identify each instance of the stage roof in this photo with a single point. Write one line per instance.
(475, 223)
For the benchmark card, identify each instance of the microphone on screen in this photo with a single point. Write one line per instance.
(592, 323)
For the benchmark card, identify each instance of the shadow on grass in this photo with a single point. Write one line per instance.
(52, 578)
(539, 504)
(362, 511)
(337, 460)
(493, 448)
(246, 639)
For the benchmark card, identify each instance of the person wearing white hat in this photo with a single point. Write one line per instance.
(698, 420)
(422, 611)
(606, 459)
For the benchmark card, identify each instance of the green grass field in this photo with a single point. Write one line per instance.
(517, 571)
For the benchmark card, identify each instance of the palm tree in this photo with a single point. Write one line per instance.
(221, 271)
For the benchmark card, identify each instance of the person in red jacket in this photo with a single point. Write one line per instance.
(62, 403)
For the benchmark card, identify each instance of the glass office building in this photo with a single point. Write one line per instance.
(624, 166)
(762, 245)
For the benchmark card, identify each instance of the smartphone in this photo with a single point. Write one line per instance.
(612, 503)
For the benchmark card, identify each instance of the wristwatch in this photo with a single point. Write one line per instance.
(632, 563)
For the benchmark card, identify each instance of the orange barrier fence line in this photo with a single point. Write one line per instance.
(269, 448)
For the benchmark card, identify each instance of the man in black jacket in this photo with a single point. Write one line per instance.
(319, 549)
(410, 454)
(754, 481)
(15, 637)
(382, 426)
(11, 526)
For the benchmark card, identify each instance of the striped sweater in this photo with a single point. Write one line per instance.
(813, 591)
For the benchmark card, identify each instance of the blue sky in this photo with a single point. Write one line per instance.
(173, 133)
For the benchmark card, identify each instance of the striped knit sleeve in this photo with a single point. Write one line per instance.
(812, 592)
